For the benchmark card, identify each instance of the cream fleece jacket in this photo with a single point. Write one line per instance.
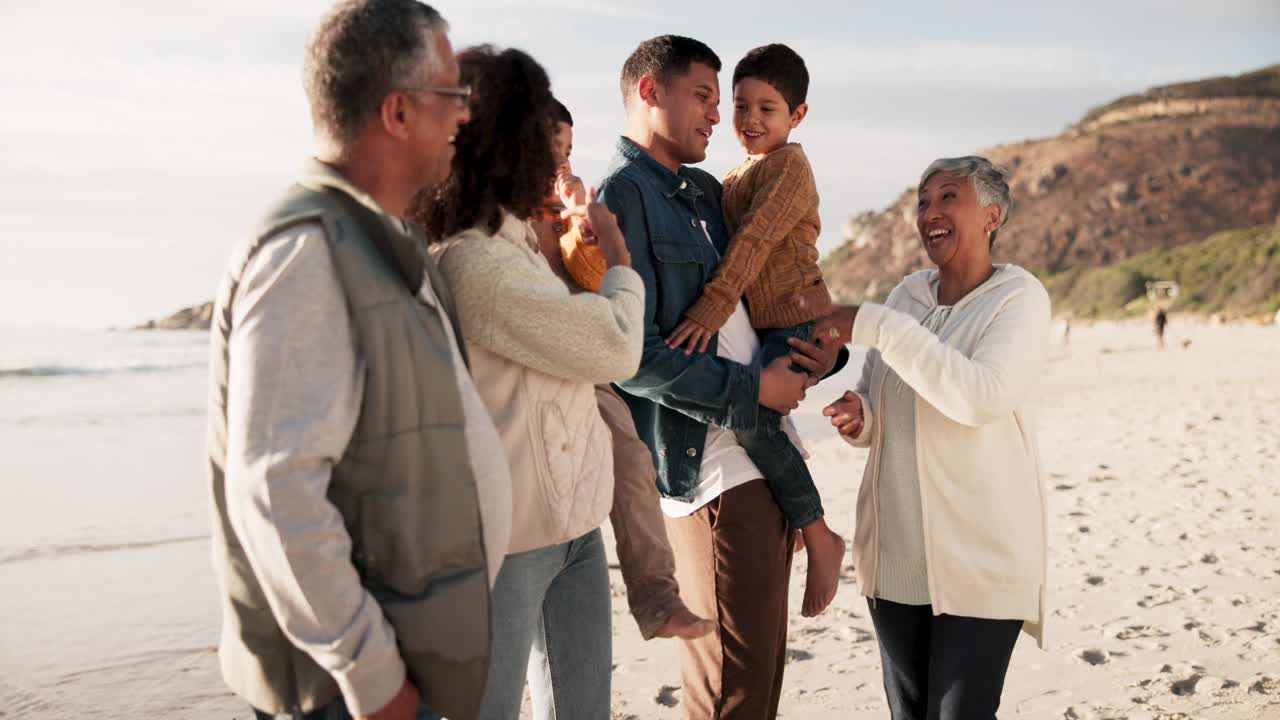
(982, 486)
(537, 351)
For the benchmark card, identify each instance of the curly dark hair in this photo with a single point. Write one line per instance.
(781, 67)
(504, 159)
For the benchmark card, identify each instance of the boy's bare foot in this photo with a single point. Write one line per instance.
(684, 624)
(826, 553)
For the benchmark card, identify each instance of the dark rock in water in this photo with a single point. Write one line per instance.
(197, 317)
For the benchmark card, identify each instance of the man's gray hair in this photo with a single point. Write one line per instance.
(361, 51)
(990, 182)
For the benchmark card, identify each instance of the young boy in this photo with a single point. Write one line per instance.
(567, 190)
(770, 204)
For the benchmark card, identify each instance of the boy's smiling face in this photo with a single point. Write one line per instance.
(761, 118)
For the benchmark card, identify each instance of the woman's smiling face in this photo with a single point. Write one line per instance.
(949, 219)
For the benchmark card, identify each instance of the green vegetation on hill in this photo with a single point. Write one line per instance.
(1259, 83)
(1235, 273)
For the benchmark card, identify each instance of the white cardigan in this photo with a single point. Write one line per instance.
(982, 486)
(537, 351)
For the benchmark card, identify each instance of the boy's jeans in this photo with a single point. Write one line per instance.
(777, 458)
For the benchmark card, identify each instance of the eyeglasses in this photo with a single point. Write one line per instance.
(460, 95)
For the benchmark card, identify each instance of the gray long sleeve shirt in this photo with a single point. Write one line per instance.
(294, 392)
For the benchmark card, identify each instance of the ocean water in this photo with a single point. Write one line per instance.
(107, 605)
(107, 600)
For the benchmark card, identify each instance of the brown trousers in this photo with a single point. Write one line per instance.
(644, 554)
(733, 561)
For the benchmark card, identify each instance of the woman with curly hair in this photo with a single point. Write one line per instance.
(537, 351)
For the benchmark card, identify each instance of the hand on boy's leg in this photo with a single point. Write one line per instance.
(816, 358)
(691, 335)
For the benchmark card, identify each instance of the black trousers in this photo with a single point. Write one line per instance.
(944, 667)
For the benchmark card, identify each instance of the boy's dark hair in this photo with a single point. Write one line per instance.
(503, 158)
(664, 57)
(781, 67)
(560, 113)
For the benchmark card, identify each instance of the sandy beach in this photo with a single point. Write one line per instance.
(1164, 572)
(1164, 559)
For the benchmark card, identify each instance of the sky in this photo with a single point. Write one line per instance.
(140, 139)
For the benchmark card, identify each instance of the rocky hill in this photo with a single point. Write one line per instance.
(197, 317)
(1162, 169)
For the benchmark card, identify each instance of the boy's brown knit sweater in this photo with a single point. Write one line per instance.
(771, 208)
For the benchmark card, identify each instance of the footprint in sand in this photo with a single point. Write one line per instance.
(1134, 632)
(1185, 681)
(1265, 685)
(1185, 686)
(1095, 656)
(1164, 595)
(1085, 712)
(856, 635)
(794, 655)
(667, 696)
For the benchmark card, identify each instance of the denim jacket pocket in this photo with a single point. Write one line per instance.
(682, 271)
(675, 252)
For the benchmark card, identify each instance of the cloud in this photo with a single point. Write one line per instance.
(961, 65)
(142, 137)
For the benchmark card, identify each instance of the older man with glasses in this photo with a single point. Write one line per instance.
(361, 495)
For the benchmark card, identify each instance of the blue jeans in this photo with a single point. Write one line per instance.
(336, 710)
(777, 458)
(551, 623)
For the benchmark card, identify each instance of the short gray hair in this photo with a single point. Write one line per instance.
(361, 51)
(990, 182)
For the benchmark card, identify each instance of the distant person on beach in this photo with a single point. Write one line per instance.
(732, 542)
(360, 492)
(951, 543)
(1161, 322)
(537, 351)
(644, 554)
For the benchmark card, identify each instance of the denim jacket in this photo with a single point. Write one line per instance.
(674, 396)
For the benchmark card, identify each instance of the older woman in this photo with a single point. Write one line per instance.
(537, 352)
(950, 546)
